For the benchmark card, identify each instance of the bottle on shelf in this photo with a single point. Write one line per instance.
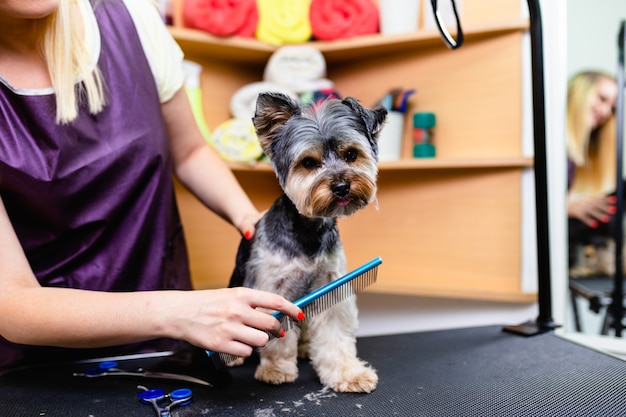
(423, 135)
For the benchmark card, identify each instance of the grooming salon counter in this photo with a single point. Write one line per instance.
(466, 372)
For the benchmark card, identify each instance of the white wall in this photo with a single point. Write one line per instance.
(592, 30)
(390, 314)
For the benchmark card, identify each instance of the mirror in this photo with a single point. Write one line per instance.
(592, 34)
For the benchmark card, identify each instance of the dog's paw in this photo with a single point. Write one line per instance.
(352, 379)
(276, 373)
(236, 362)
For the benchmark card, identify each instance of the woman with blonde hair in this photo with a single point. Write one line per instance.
(94, 122)
(591, 160)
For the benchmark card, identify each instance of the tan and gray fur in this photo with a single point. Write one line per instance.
(325, 158)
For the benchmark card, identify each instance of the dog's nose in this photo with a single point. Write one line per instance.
(341, 189)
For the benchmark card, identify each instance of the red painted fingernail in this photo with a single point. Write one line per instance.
(612, 199)
(282, 333)
(612, 210)
(605, 218)
(593, 224)
(247, 234)
(301, 316)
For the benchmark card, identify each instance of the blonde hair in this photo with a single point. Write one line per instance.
(592, 151)
(75, 77)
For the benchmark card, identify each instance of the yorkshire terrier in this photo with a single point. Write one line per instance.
(325, 157)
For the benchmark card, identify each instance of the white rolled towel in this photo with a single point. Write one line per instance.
(301, 68)
(243, 102)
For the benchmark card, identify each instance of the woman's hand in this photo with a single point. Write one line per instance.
(591, 210)
(247, 226)
(201, 169)
(229, 320)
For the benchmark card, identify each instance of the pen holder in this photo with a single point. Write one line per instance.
(398, 16)
(390, 137)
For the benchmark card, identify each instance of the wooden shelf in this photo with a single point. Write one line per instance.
(252, 51)
(449, 226)
(424, 163)
(456, 163)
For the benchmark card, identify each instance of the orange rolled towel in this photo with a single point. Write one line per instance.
(222, 17)
(331, 19)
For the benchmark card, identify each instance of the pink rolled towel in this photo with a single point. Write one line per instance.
(222, 17)
(331, 19)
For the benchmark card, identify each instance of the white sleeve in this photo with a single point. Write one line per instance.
(164, 55)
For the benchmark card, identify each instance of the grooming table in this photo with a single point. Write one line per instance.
(479, 371)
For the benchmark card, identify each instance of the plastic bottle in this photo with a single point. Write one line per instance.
(194, 93)
(423, 135)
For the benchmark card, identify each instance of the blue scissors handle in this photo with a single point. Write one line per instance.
(157, 398)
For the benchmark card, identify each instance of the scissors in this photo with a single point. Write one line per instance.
(109, 368)
(157, 398)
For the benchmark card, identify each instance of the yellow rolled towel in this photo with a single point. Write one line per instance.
(283, 21)
(236, 140)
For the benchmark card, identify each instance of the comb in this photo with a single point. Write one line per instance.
(319, 300)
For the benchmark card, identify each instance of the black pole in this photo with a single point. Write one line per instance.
(544, 321)
(617, 304)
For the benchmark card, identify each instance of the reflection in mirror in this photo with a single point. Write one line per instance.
(591, 163)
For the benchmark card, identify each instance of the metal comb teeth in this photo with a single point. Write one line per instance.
(341, 293)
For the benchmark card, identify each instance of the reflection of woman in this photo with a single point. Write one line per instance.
(591, 158)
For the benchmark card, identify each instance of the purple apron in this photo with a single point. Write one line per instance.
(93, 202)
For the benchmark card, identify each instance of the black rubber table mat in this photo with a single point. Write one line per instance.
(467, 372)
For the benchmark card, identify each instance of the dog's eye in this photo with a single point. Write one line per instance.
(351, 155)
(310, 163)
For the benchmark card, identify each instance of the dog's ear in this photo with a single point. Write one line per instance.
(373, 119)
(272, 112)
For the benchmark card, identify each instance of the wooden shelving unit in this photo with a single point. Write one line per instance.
(237, 49)
(425, 163)
(449, 226)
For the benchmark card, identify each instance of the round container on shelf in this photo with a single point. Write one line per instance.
(423, 135)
